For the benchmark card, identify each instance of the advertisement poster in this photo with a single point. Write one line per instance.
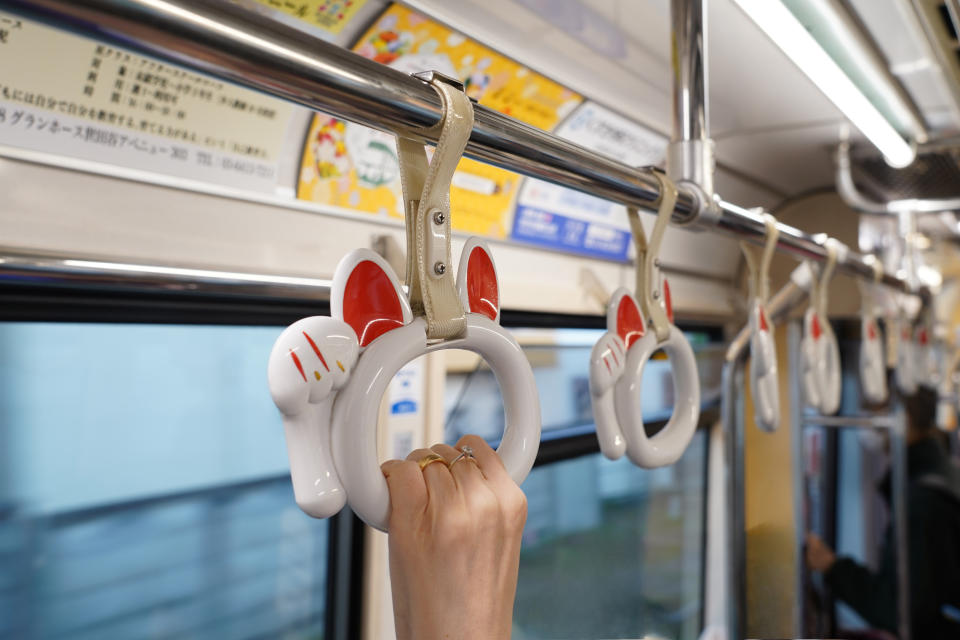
(354, 167)
(327, 19)
(559, 218)
(96, 102)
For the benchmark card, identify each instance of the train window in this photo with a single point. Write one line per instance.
(560, 360)
(612, 551)
(144, 487)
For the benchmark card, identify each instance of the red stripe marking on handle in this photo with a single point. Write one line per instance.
(296, 361)
(316, 350)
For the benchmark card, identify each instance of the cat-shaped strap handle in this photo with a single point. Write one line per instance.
(820, 353)
(619, 357)
(764, 379)
(873, 370)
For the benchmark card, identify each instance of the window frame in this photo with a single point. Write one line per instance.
(36, 299)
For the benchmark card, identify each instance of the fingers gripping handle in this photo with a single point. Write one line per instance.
(355, 415)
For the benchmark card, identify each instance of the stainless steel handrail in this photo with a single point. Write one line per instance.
(19, 268)
(224, 40)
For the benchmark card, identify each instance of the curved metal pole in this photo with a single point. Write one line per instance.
(856, 200)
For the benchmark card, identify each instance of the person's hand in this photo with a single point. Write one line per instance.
(454, 544)
(819, 556)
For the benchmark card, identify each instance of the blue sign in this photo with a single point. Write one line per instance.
(403, 406)
(543, 228)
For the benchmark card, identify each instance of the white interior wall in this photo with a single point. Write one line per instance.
(76, 214)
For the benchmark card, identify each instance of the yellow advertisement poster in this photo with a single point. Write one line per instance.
(329, 15)
(351, 166)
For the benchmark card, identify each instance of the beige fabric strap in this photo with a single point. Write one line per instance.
(426, 195)
(758, 263)
(648, 291)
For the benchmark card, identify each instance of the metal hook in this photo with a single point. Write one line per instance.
(648, 290)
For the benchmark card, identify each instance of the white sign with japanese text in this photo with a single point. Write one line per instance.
(557, 217)
(99, 103)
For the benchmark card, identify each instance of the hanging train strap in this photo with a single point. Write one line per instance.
(648, 292)
(823, 287)
(868, 292)
(759, 268)
(426, 195)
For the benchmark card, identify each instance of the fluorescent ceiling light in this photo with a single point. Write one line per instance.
(785, 30)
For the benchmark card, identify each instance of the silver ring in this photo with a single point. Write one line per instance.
(466, 452)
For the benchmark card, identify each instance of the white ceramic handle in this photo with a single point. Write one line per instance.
(808, 361)
(668, 445)
(316, 486)
(355, 412)
(906, 368)
(607, 361)
(764, 377)
(309, 362)
(873, 373)
(831, 375)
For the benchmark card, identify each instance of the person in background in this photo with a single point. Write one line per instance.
(933, 512)
(456, 525)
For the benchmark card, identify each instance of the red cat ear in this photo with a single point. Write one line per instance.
(477, 280)
(624, 317)
(367, 296)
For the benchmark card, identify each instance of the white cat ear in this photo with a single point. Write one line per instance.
(624, 317)
(367, 296)
(477, 280)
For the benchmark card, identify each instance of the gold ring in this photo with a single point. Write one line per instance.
(429, 459)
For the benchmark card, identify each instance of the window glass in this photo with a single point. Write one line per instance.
(610, 550)
(144, 487)
(613, 551)
(561, 365)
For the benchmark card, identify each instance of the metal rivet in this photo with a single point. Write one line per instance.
(438, 217)
(439, 268)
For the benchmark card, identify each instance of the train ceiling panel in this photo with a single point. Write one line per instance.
(769, 120)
